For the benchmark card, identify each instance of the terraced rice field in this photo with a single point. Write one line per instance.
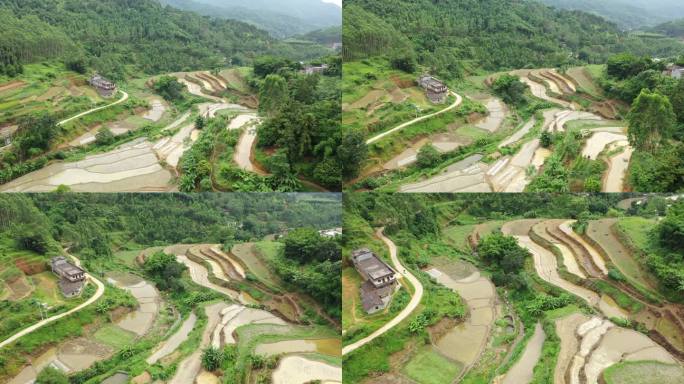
(602, 233)
(466, 342)
(298, 370)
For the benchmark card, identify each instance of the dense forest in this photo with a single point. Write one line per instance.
(495, 34)
(93, 223)
(110, 35)
(302, 120)
(673, 28)
(656, 120)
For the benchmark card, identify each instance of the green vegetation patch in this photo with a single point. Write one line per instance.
(643, 372)
(114, 336)
(430, 367)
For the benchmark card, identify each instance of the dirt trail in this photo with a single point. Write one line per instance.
(40, 324)
(458, 102)
(123, 98)
(410, 307)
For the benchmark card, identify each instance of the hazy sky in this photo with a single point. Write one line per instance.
(338, 2)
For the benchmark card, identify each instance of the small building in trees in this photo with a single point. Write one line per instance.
(331, 233)
(674, 71)
(379, 280)
(435, 90)
(71, 277)
(104, 87)
(312, 69)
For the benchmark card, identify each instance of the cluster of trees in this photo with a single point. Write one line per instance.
(112, 34)
(313, 263)
(503, 255)
(496, 34)
(656, 120)
(303, 120)
(9, 64)
(35, 134)
(667, 259)
(169, 88)
(510, 89)
(164, 271)
(88, 221)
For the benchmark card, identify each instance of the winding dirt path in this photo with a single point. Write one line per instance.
(458, 102)
(412, 305)
(123, 98)
(100, 291)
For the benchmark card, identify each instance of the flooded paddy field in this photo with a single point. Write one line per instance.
(300, 370)
(466, 341)
(330, 347)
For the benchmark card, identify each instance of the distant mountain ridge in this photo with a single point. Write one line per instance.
(281, 19)
(628, 14)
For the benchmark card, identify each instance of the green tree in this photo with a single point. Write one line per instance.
(510, 89)
(51, 375)
(200, 122)
(104, 136)
(404, 60)
(169, 88)
(651, 121)
(212, 359)
(273, 94)
(428, 156)
(502, 251)
(352, 153)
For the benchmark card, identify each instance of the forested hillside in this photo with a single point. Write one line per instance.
(673, 28)
(629, 14)
(110, 35)
(303, 17)
(496, 34)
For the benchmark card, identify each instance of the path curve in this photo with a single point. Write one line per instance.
(458, 102)
(40, 324)
(415, 299)
(121, 100)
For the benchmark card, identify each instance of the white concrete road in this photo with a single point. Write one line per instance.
(458, 102)
(415, 299)
(121, 100)
(40, 324)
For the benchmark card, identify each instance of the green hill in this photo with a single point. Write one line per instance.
(629, 14)
(496, 34)
(299, 17)
(673, 28)
(112, 35)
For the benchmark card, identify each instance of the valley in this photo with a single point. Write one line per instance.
(179, 313)
(546, 299)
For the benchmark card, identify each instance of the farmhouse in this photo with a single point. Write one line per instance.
(104, 87)
(674, 71)
(311, 69)
(71, 277)
(379, 280)
(435, 90)
(332, 233)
